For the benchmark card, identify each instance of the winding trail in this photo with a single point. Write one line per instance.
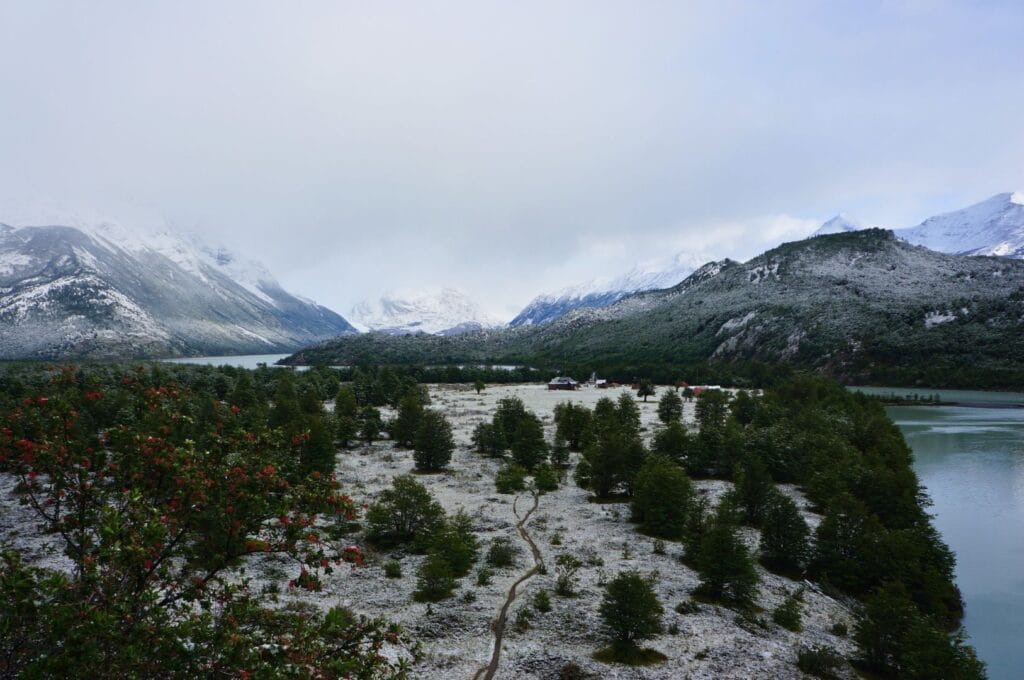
(498, 626)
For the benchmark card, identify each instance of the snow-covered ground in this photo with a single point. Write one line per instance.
(713, 642)
(456, 632)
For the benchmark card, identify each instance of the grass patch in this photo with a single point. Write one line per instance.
(629, 656)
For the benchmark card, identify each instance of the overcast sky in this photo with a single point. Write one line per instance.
(508, 148)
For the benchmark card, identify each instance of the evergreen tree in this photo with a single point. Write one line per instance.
(712, 408)
(672, 441)
(243, 394)
(317, 454)
(573, 424)
(407, 421)
(346, 411)
(630, 610)
(478, 385)
(528, 445)
(436, 579)
(456, 542)
(370, 424)
(663, 498)
(488, 439)
(404, 513)
(434, 443)
(753, 489)
(784, 546)
(670, 407)
(725, 567)
(743, 408)
(645, 389)
(628, 414)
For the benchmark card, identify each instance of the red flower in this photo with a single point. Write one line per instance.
(147, 565)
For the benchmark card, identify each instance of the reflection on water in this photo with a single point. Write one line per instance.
(972, 463)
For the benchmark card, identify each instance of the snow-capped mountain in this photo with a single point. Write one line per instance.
(602, 292)
(994, 226)
(87, 287)
(838, 224)
(440, 311)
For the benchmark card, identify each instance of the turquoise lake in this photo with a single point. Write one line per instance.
(971, 460)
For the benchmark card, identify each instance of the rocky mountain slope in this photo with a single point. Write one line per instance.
(602, 292)
(858, 305)
(443, 311)
(102, 290)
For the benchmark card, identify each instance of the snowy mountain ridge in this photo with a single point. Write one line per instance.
(94, 287)
(601, 292)
(994, 226)
(439, 311)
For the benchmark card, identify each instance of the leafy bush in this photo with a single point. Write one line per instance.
(545, 478)
(501, 553)
(542, 601)
(821, 662)
(435, 580)
(787, 614)
(405, 513)
(566, 566)
(510, 478)
(393, 569)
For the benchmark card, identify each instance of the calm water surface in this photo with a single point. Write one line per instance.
(972, 462)
(241, 361)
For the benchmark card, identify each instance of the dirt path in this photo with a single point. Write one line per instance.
(488, 671)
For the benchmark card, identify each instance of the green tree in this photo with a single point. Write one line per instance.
(435, 580)
(407, 421)
(672, 441)
(573, 424)
(743, 408)
(753, 489)
(434, 442)
(897, 641)
(670, 407)
(545, 478)
(456, 542)
(405, 513)
(527, 444)
(645, 389)
(663, 498)
(712, 408)
(479, 385)
(488, 439)
(370, 424)
(784, 546)
(317, 454)
(630, 610)
(725, 567)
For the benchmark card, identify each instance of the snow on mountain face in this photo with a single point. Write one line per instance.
(839, 224)
(602, 292)
(98, 288)
(444, 311)
(994, 226)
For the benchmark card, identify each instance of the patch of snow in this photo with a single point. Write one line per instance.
(934, 318)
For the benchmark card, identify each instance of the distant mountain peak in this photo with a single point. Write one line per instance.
(838, 224)
(994, 226)
(436, 310)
